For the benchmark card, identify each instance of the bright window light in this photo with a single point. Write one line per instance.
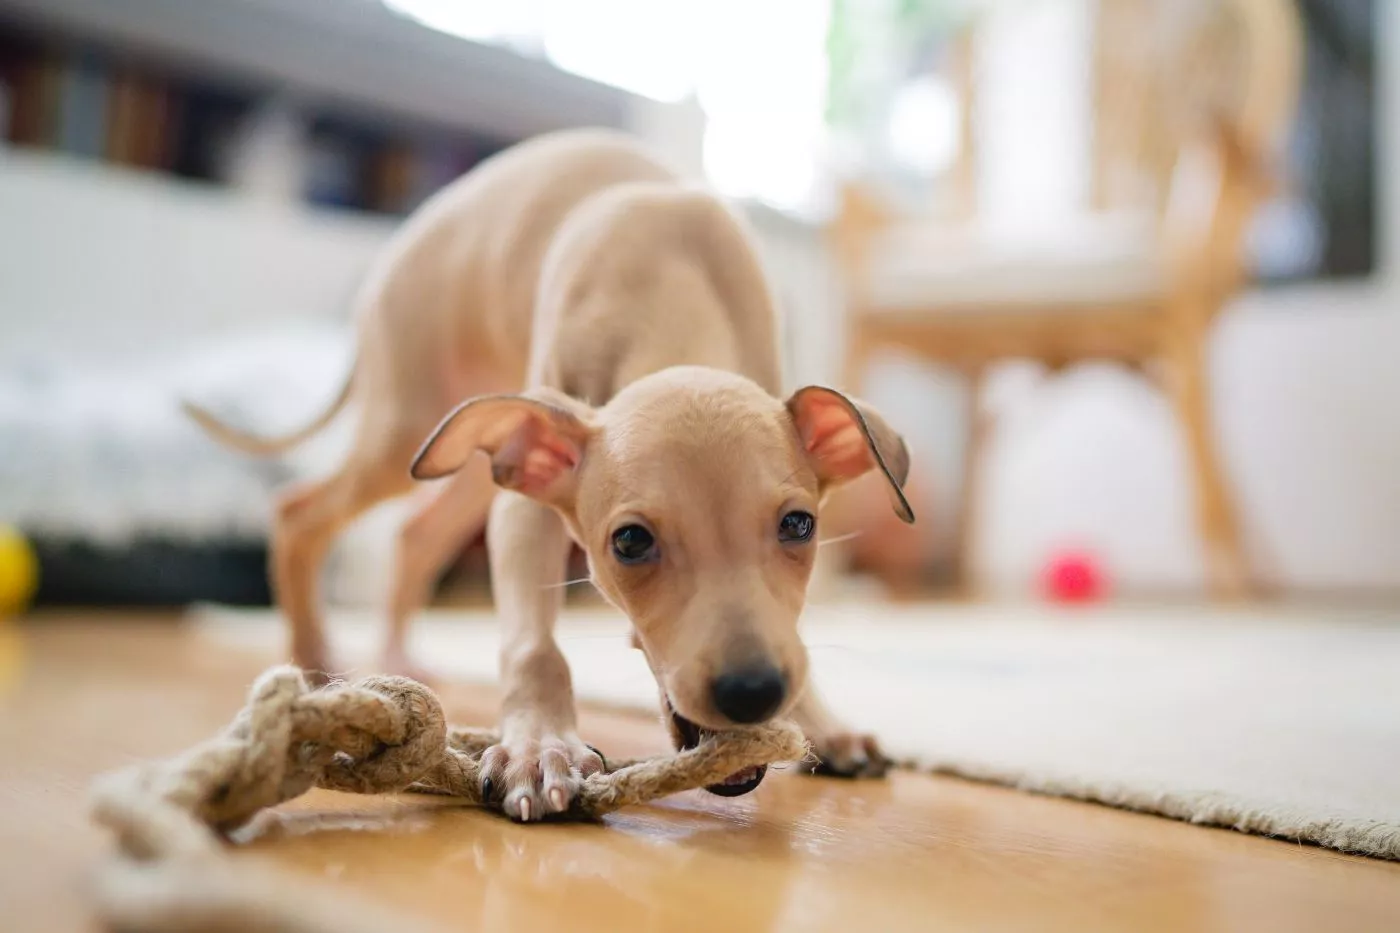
(757, 67)
(643, 46)
(924, 129)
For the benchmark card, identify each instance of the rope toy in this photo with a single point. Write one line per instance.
(381, 735)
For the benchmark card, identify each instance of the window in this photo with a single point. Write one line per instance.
(758, 69)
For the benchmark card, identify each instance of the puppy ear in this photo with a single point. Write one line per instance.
(845, 439)
(535, 443)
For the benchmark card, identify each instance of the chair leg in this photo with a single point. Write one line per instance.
(965, 539)
(1227, 570)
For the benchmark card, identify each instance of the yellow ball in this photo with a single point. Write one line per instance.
(19, 571)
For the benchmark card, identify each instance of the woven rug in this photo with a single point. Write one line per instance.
(1284, 724)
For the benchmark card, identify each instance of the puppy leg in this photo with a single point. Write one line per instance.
(441, 527)
(841, 752)
(306, 522)
(537, 767)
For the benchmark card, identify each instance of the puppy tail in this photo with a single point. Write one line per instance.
(264, 446)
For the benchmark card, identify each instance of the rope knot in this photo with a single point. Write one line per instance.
(377, 736)
(386, 732)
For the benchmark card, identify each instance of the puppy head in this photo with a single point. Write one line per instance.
(694, 494)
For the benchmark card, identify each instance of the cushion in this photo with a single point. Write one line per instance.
(1085, 261)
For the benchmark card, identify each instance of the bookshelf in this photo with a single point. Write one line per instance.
(339, 103)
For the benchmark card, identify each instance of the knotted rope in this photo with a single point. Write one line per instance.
(378, 736)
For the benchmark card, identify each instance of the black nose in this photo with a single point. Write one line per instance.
(750, 694)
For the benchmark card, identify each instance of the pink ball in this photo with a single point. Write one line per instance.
(1073, 577)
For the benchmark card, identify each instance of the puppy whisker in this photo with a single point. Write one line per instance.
(839, 538)
(560, 586)
(848, 649)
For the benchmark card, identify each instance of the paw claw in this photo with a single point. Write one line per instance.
(848, 755)
(533, 776)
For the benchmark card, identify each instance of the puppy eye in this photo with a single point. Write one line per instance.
(796, 527)
(633, 544)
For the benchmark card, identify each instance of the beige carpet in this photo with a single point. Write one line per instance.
(1284, 724)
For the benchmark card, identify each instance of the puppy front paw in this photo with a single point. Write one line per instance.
(534, 778)
(847, 755)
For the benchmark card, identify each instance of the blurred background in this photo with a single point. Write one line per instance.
(1123, 271)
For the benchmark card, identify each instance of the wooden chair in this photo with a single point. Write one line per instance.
(1141, 295)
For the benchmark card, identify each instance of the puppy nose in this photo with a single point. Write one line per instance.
(750, 694)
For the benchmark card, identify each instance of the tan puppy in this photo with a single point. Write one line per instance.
(631, 310)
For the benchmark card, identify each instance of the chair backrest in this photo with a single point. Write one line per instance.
(1241, 66)
(1161, 68)
(1193, 98)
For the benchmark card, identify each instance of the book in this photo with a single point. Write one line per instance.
(393, 181)
(333, 172)
(34, 117)
(123, 103)
(82, 125)
(7, 100)
(156, 113)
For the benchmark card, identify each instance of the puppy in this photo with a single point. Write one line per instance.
(626, 313)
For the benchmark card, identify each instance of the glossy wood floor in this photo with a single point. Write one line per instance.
(82, 695)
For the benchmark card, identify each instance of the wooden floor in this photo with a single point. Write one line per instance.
(81, 695)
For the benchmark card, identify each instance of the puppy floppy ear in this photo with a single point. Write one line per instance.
(535, 442)
(845, 439)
